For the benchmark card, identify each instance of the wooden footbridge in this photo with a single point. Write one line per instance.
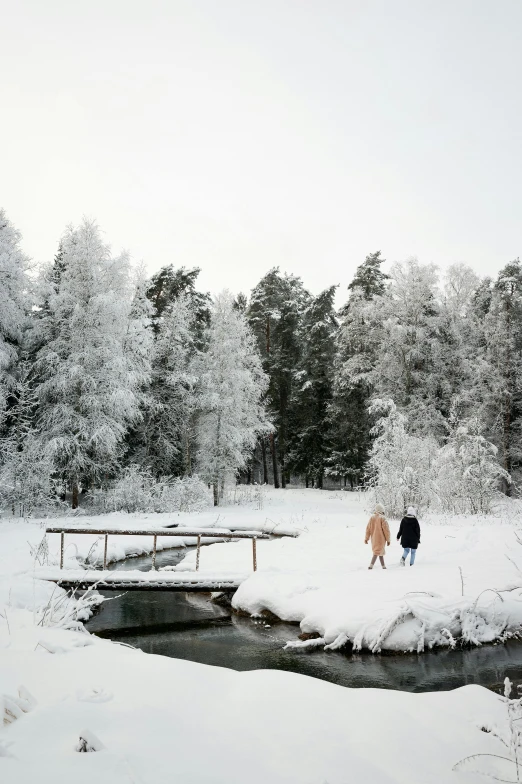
(118, 580)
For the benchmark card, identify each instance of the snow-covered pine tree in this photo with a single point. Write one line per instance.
(309, 445)
(357, 345)
(369, 277)
(164, 439)
(274, 314)
(500, 369)
(14, 305)
(89, 383)
(404, 363)
(167, 285)
(231, 388)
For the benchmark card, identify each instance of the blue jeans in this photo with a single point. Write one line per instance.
(413, 554)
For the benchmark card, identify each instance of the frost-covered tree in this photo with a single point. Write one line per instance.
(369, 278)
(394, 345)
(14, 305)
(467, 471)
(164, 439)
(358, 342)
(89, 378)
(401, 464)
(500, 370)
(167, 285)
(25, 469)
(231, 388)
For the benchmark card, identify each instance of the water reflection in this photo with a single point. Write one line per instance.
(188, 626)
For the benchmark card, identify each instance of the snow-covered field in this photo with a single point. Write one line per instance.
(163, 720)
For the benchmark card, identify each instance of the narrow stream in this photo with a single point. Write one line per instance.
(189, 626)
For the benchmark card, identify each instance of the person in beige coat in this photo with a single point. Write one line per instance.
(378, 531)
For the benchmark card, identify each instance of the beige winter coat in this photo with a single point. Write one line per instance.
(378, 531)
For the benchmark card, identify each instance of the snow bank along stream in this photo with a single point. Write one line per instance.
(189, 626)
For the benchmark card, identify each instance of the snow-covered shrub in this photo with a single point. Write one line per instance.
(26, 484)
(245, 495)
(467, 472)
(189, 494)
(137, 490)
(400, 464)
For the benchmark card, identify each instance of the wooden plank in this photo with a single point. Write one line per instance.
(142, 581)
(214, 533)
(156, 586)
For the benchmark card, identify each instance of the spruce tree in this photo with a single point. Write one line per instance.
(310, 444)
(163, 441)
(369, 277)
(275, 311)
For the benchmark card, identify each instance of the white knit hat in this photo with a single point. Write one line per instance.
(379, 509)
(412, 512)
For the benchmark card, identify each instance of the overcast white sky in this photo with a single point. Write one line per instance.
(236, 135)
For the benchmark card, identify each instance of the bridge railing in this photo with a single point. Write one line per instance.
(200, 533)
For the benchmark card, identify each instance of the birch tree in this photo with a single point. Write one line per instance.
(231, 386)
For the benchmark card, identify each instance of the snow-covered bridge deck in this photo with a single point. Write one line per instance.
(135, 580)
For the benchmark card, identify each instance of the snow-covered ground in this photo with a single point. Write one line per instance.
(161, 720)
(465, 582)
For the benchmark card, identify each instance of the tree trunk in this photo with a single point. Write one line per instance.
(75, 495)
(188, 461)
(265, 464)
(274, 460)
(320, 481)
(283, 474)
(306, 480)
(216, 493)
(508, 402)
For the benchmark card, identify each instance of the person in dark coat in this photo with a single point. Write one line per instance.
(409, 534)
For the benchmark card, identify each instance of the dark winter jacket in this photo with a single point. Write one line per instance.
(409, 532)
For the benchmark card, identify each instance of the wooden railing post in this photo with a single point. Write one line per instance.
(62, 547)
(254, 553)
(197, 553)
(154, 551)
(105, 551)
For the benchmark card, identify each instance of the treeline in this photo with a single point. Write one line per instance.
(102, 369)
(106, 375)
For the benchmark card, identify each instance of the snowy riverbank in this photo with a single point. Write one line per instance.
(153, 717)
(464, 586)
(160, 720)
